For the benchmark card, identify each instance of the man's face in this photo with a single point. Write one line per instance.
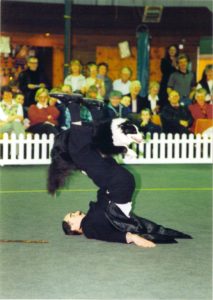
(174, 98)
(145, 116)
(125, 75)
(182, 63)
(20, 99)
(66, 89)
(33, 64)
(75, 68)
(7, 96)
(102, 70)
(74, 219)
(115, 101)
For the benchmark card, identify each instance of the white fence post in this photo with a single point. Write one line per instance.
(161, 149)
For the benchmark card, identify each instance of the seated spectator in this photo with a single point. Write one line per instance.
(94, 80)
(123, 83)
(43, 117)
(76, 80)
(146, 125)
(11, 113)
(175, 118)
(137, 102)
(207, 83)
(19, 98)
(200, 109)
(67, 89)
(92, 92)
(151, 101)
(182, 80)
(114, 109)
(102, 74)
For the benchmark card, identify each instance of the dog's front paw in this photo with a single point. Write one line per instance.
(131, 154)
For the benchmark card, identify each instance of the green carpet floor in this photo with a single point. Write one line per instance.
(177, 196)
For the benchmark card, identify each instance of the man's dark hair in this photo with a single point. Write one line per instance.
(6, 88)
(67, 230)
(183, 56)
(103, 64)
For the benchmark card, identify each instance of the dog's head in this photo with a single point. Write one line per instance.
(125, 132)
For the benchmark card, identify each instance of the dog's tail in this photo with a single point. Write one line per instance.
(61, 165)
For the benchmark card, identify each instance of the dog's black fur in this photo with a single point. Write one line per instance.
(62, 164)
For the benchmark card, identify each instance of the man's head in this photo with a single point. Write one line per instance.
(174, 98)
(200, 96)
(67, 89)
(75, 66)
(72, 223)
(19, 98)
(32, 63)
(115, 98)
(146, 115)
(103, 69)
(7, 94)
(183, 62)
(126, 73)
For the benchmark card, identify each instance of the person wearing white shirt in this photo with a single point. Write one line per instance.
(11, 113)
(123, 83)
(76, 80)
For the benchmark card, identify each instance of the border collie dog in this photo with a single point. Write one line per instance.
(107, 138)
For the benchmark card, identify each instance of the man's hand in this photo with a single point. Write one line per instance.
(184, 123)
(139, 241)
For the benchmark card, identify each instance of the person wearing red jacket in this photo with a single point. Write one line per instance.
(43, 117)
(200, 109)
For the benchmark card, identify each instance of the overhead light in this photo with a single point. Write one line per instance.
(152, 14)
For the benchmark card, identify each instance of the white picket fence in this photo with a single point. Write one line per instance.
(163, 149)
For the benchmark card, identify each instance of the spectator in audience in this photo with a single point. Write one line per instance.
(200, 109)
(123, 84)
(207, 83)
(76, 80)
(151, 101)
(182, 80)
(168, 66)
(43, 117)
(31, 80)
(19, 98)
(92, 92)
(67, 89)
(175, 118)
(137, 102)
(146, 125)
(11, 113)
(126, 101)
(103, 69)
(114, 109)
(94, 80)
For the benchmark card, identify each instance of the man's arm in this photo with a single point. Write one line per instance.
(139, 241)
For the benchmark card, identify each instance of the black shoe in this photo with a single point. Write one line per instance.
(66, 98)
